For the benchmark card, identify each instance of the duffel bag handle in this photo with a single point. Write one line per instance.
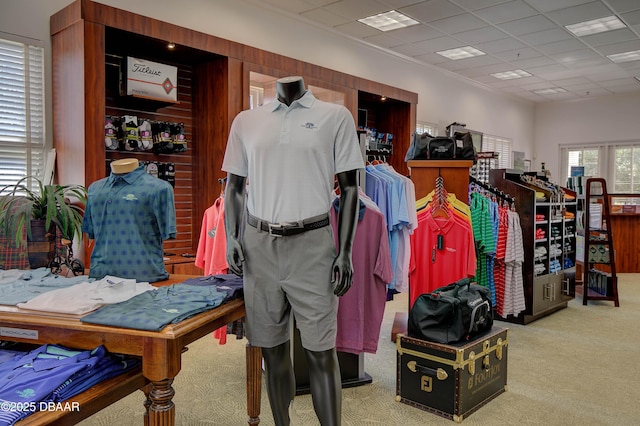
(439, 373)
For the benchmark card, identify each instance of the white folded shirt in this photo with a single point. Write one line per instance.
(87, 296)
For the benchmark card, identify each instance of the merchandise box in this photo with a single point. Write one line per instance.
(452, 380)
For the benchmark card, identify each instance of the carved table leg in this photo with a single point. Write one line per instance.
(147, 402)
(162, 411)
(254, 383)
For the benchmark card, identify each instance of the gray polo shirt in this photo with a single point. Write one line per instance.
(290, 156)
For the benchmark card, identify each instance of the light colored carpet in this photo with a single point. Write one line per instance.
(578, 366)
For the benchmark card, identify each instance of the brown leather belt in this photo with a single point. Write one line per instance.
(285, 229)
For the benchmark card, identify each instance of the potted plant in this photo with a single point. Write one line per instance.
(31, 216)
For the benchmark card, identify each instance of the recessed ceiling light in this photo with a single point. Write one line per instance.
(549, 91)
(595, 26)
(633, 55)
(388, 21)
(508, 75)
(461, 53)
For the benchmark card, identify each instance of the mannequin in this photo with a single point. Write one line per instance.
(292, 97)
(129, 214)
(123, 166)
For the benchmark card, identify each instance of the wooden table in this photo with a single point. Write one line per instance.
(161, 354)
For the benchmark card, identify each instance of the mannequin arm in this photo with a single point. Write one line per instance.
(234, 212)
(342, 268)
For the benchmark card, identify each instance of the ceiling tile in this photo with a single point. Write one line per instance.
(318, 3)
(558, 75)
(506, 12)
(481, 35)
(546, 70)
(609, 37)
(624, 5)
(356, 9)
(396, 4)
(560, 46)
(582, 64)
(500, 45)
(409, 49)
(432, 58)
(609, 75)
(574, 56)
(570, 81)
(538, 85)
(518, 54)
(632, 18)
(583, 87)
(596, 91)
(494, 68)
(549, 5)
(458, 23)
(416, 33)
(470, 72)
(625, 89)
(584, 12)
(438, 44)
(294, 6)
(478, 4)
(625, 46)
(356, 29)
(325, 17)
(501, 84)
(540, 61)
(384, 40)
(528, 25)
(546, 36)
(432, 10)
(619, 82)
(474, 62)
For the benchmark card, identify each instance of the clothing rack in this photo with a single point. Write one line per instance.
(493, 190)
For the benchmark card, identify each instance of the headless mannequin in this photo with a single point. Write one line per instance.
(124, 166)
(324, 371)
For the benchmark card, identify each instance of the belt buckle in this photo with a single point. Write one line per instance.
(275, 227)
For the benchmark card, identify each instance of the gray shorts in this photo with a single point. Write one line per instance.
(282, 274)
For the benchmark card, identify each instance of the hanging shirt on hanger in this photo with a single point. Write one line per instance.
(211, 255)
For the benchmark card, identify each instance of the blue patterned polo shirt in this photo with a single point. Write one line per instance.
(129, 216)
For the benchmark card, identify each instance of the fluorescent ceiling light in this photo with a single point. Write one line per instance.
(461, 53)
(509, 75)
(637, 78)
(549, 91)
(388, 21)
(633, 55)
(595, 26)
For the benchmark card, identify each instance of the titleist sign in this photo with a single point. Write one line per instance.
(151, 80)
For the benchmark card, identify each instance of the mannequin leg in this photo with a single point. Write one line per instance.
(281, 382)
(326, 386)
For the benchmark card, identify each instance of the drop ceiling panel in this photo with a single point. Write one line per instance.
(481, 35)
(514, 34)
(427, 11)
(325, 17)
(546, 36)
(549, 5)
(609, 37)
(458, 23)
(624, 5)
(478, 4)
(528, 25)
(506, 12)
(498, 46)
(584, 12)
(356, 9)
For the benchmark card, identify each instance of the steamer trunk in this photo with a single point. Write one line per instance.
(452, 381)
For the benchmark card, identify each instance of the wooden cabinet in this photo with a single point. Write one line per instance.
(547, 218)
(89, 40)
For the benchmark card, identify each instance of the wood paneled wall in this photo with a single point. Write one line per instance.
(213, 89)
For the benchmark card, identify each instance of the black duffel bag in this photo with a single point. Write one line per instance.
(453, 313)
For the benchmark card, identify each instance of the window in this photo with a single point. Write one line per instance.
(502, 146)
(430, 128)
(626, 177)
(21, 110)
(586, 157)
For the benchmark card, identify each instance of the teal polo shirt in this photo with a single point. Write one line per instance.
(129, 216)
